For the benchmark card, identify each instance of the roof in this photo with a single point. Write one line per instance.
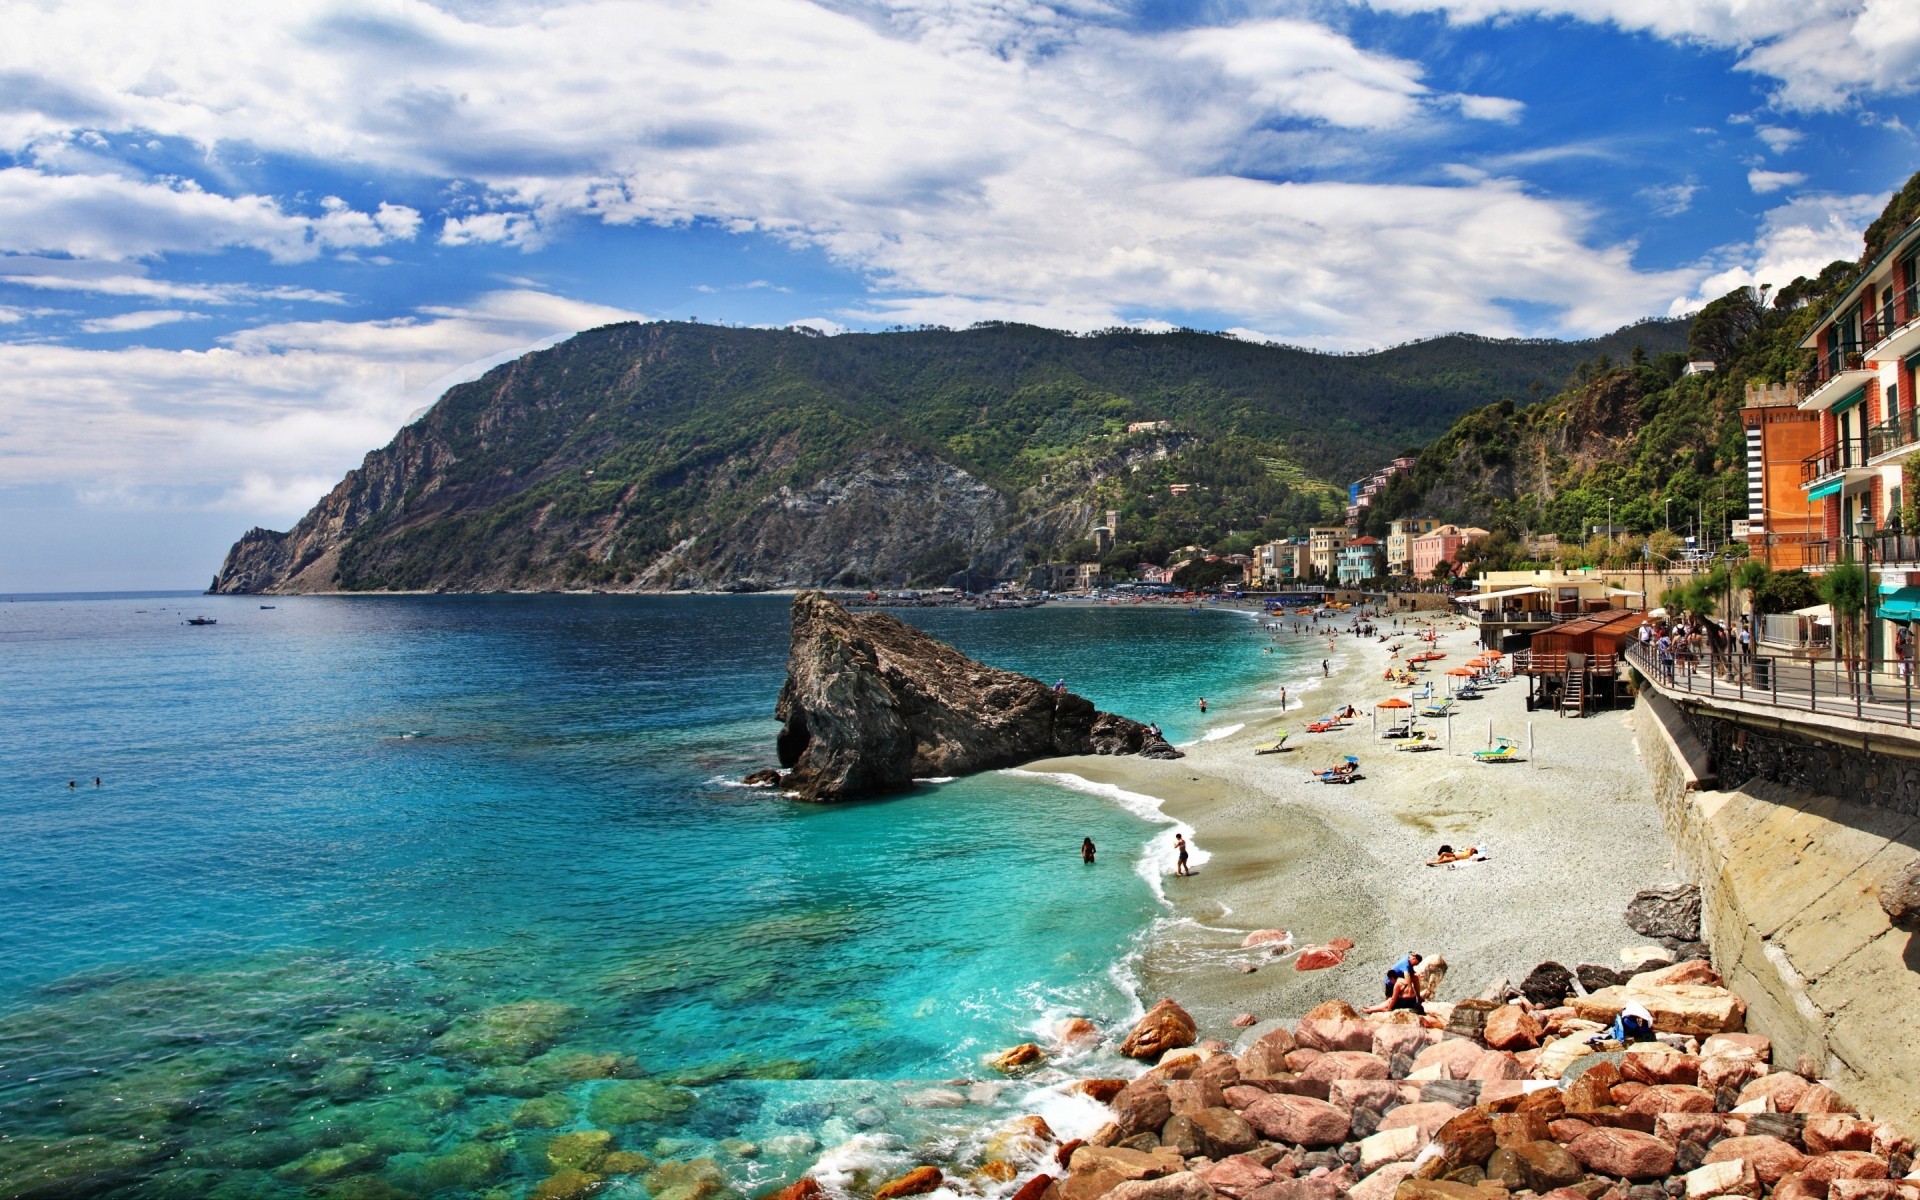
(1483, 597)
(1364, 541)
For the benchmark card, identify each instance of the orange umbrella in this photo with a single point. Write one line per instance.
(1461, 671)
(1394, 702)
(1476, 662)
(1496, 655)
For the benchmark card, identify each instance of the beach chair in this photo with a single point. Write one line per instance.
(1504, 750)
(1347, 772)
(1437, 708)
(1419, 743)
(1276, 746)
(1403, 729)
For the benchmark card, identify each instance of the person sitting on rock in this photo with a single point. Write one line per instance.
(1405, 968)
(1634, 1024)
(1402, 992)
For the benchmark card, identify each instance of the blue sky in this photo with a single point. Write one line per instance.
(240, 245)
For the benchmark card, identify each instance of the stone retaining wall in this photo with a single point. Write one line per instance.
(1788, 880)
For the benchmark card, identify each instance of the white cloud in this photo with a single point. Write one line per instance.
(1821, 53)
(146, 318)
(1798, 238)
(114, 218)
(1491, 108)
(116, 279)
(1778, 138)
(1670, 200)
(1765, 182)
(522, 230)
(274, 415)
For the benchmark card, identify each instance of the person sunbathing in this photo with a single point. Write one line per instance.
(1449, 855)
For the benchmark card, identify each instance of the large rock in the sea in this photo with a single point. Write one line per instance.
(871, 704)
(1166, 1027)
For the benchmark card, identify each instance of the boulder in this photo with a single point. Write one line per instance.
(1417, 1188)
(1702, 1128)
(1469, 1018)
(1781, 1090)
(1771, 1159)
(1654, 1063)
(1076, 1032)
(1033, 1189)
(1511, 1027)
(1689, 971)
(1464, 1141)
(1545, 1165)
(1823, 1169)
(871, 703)
(1267, 1057)
(1694, 1009)
(1189, 1096)
(1874, 1189)
(1245, 1021)
(1900, 895)
(1140, 1107)
(1427, 1116)
(916, 1182)
(1593, 976)
(1389, 1146)
(1166, 1026)
(1824, 1133)
(1382, 1184)
(1220, 1132)
(1729, 1072)
(1738, 1044)
(1623, 1153)
(1182, 1185)
(1671, 1098)
(1267, 937)
(1319, 958)
(1020, 1059)
(1346, 1064)
(1395, 1039)
(1449, 1058)
(1237, 1176)
(1819, 1098)
(1547, 984)
(1497, 1064)
(1300, 1120)
(1102, 1090)
(1666, 913)
(1333, 1033)
(1732, 1177)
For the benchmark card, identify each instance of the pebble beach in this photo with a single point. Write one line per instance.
(1568, 837)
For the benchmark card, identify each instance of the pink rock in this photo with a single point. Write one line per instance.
(1827, 1132)
(1183, 1185)
(1695, 971)
(1720, 1071)
(1511, 1027)
(1382, 1184)
(1301, 1120)
(1782, 1090)
(1375, 1094)
(1427, 1116)
(1242, 1094)
(1623, 1153)
(1660, 1066)
(1346, 1064)
(1752, 1043)
(1454, 1057)
(1334, 1034)
(1494, 1090)
(1677, 1127)
(1819, 1098)
(1672, 1098)
(1268, 1056)
(1873, 1189)
(1237, 1176)
(1823, 1169)
(1318, 958)
(1245, 1020)
(1267, 937)
(1301, 1057)
(1389, 1040)
(1771, 1158)
(1497, 1064)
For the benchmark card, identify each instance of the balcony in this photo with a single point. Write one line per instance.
(1894, 331)
(1832, 376)
(1895, 434)
(1877, 549)
(1846, 459)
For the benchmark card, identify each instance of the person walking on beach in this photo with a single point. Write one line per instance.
(1283, 699)
(1180, 847)
(1323, 669)
(1086, 851)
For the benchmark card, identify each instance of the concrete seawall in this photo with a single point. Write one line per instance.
(1789, 884)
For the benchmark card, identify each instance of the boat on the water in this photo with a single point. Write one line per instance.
(201, 621)
(266, 606)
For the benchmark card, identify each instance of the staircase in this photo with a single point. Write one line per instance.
(1573, 694)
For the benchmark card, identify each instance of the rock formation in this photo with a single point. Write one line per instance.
(871, 704)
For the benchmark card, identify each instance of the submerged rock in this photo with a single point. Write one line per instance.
(871, 704)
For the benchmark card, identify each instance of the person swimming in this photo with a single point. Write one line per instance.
(1086, 850)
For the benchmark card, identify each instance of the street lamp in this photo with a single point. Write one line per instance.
(1669, 514)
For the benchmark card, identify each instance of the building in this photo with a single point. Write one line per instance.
(1360, 560)
(1323, 549)
(1861, 386)
(1400, 535)
(1066, 577)
(1780, 437)
(1442, 545)
(1515, 604)
(1362, 492)
(1149, 426)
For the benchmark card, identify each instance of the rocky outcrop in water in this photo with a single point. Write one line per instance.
(872, 703)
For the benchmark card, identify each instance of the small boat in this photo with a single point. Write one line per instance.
(201, 621)
(266, 606)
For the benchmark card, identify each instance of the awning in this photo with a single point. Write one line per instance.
(1614, 591)
(1903, 604)
(1483, 597)
(1826, 489)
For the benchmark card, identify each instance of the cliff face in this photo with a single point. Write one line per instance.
(683, 456)
(871, 704)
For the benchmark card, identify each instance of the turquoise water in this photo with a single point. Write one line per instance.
(383, 897)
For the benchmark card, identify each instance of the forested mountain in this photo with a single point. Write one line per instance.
(670, 455)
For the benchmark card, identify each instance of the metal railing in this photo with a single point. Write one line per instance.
(1832, 458)
(1544, 662)
(1835, 686)
(1901, 429)
(1878, 548)
(1837, 361)
(1889, 320)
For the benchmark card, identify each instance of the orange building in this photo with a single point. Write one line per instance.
(1780, 518)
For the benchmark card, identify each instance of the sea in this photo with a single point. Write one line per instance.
(373, 897)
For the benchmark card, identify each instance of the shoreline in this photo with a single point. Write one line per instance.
(1569, 840)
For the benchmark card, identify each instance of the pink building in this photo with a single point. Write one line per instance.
(1442, 545)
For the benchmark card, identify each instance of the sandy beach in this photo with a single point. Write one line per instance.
(1569, 837)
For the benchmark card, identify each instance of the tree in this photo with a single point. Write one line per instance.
(1721, 326)
(1844, 588)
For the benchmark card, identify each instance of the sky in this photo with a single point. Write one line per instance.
(242, 244)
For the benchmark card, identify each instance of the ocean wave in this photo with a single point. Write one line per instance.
(1159, 857)
(1225, 731)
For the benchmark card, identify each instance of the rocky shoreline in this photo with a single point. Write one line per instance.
(1476, 1100)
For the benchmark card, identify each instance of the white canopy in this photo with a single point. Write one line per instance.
(1822, 614)
(1614, 591)
(1483, 597)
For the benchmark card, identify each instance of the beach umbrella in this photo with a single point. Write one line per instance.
(1394, 702)
(1496, 655)
(1461, 671)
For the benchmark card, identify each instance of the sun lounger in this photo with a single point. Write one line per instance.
(1507, 750)
(1275, 746)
